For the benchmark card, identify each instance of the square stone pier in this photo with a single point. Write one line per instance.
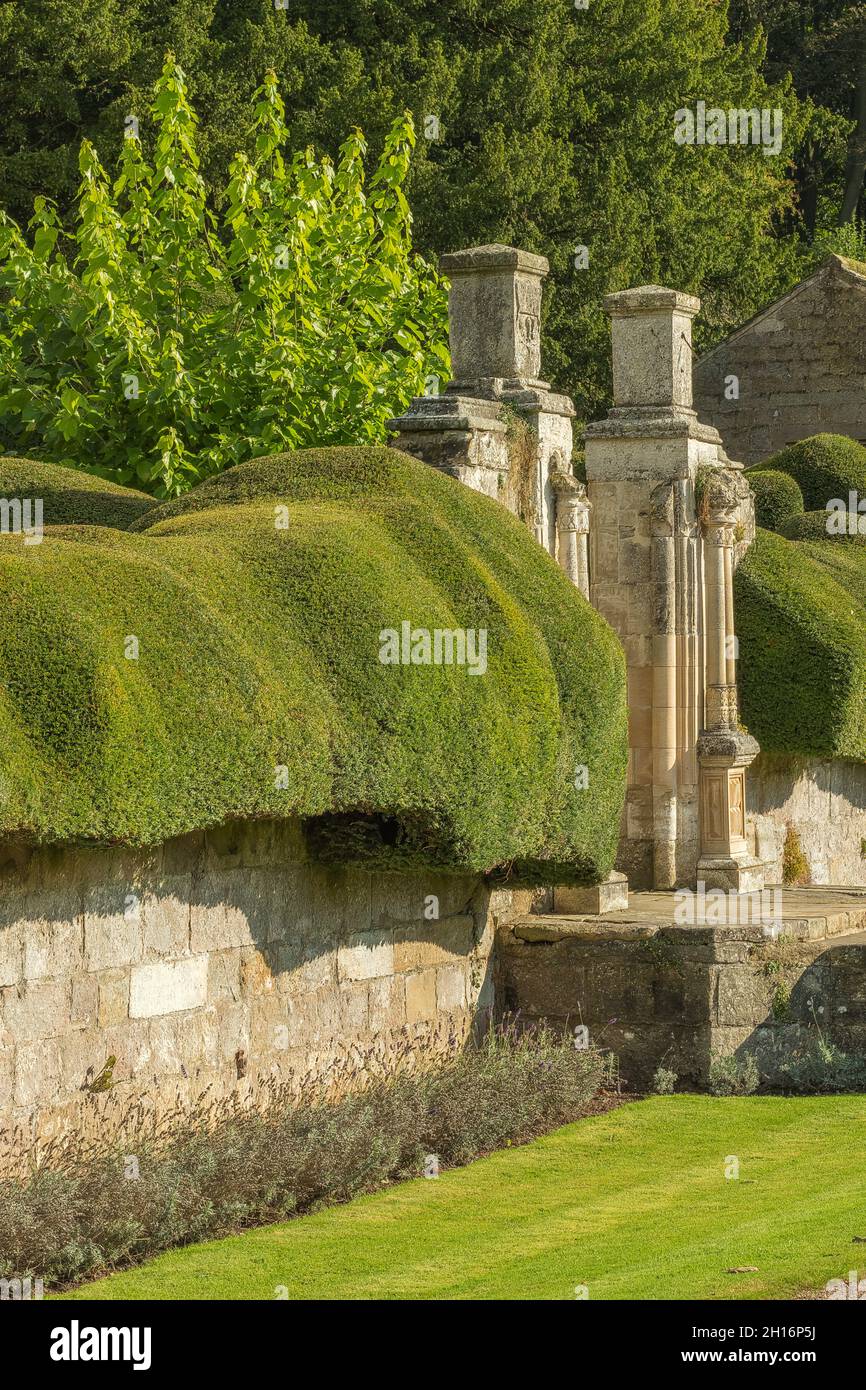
(656, 990)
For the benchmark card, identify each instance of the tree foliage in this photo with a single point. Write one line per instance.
(555, 130)
(171, 343)
(822, 43)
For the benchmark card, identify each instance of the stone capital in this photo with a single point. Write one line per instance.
(572, 507)
(651, 299)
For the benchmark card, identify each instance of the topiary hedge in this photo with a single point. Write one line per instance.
(256, 688)
(802, 667)
(777, 497)
(812, 526)
(825, 466)
(70, 496)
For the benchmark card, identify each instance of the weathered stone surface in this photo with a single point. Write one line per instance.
(450, 988)
(365, 956)
(165, 918)
(433, 943)
(37, 1072)
(37, 1009)
(219, 961)
(11, 951)
(800, 367)
(420, 996)
(164, 987)
(231, 909)
(53, 941)
(825, 802)
(85, 1001)
(113, 997)
(112, 927)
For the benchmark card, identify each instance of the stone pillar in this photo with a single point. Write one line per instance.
(494, 312)
(647, 573)
(715, 544)
(725, 750)
(572, 527)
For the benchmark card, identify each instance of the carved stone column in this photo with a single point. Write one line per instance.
(572, 527)
(659, 584)
(724, 750)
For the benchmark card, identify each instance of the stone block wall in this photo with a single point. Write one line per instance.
(800, 368)
(682, 995)
(824, 802)
(219, 960)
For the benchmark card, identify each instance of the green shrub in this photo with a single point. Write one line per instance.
(812, 526)
(71, 496)
(795, 865)
(257, 687)
(77, 1214)
(777, 497)
(733, 1076)
(157, 345)
(800, 621)
(826, 466)
(664, 1081)
(813, 1066)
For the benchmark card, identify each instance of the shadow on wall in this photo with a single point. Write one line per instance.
(825, 1003)
(824, 802)
(218, 959)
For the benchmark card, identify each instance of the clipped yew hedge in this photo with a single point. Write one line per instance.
(800, 609)
(825, 466)
(777, 497)
(70, 496)
(812, 526)
(254, 687)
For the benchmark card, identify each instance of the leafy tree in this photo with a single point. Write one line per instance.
(823, 44)
(171, 343)
(555, 130)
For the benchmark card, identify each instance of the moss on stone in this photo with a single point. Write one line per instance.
(777, 497)
(257, 689)
(795, 865)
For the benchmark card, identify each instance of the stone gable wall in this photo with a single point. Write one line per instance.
(219, 960)
(801, 369)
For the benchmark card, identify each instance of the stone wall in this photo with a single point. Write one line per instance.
(682, 995)
(800, 367)
(218, 960)
(825, 802)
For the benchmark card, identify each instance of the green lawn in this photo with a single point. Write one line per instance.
(633, 1204)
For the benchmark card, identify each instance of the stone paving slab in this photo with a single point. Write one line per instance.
(807, 914)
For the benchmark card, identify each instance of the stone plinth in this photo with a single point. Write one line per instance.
(652, 347)
(494, 314)
(611, 895)
(496, 427)
(726, 861)
(464, 437)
